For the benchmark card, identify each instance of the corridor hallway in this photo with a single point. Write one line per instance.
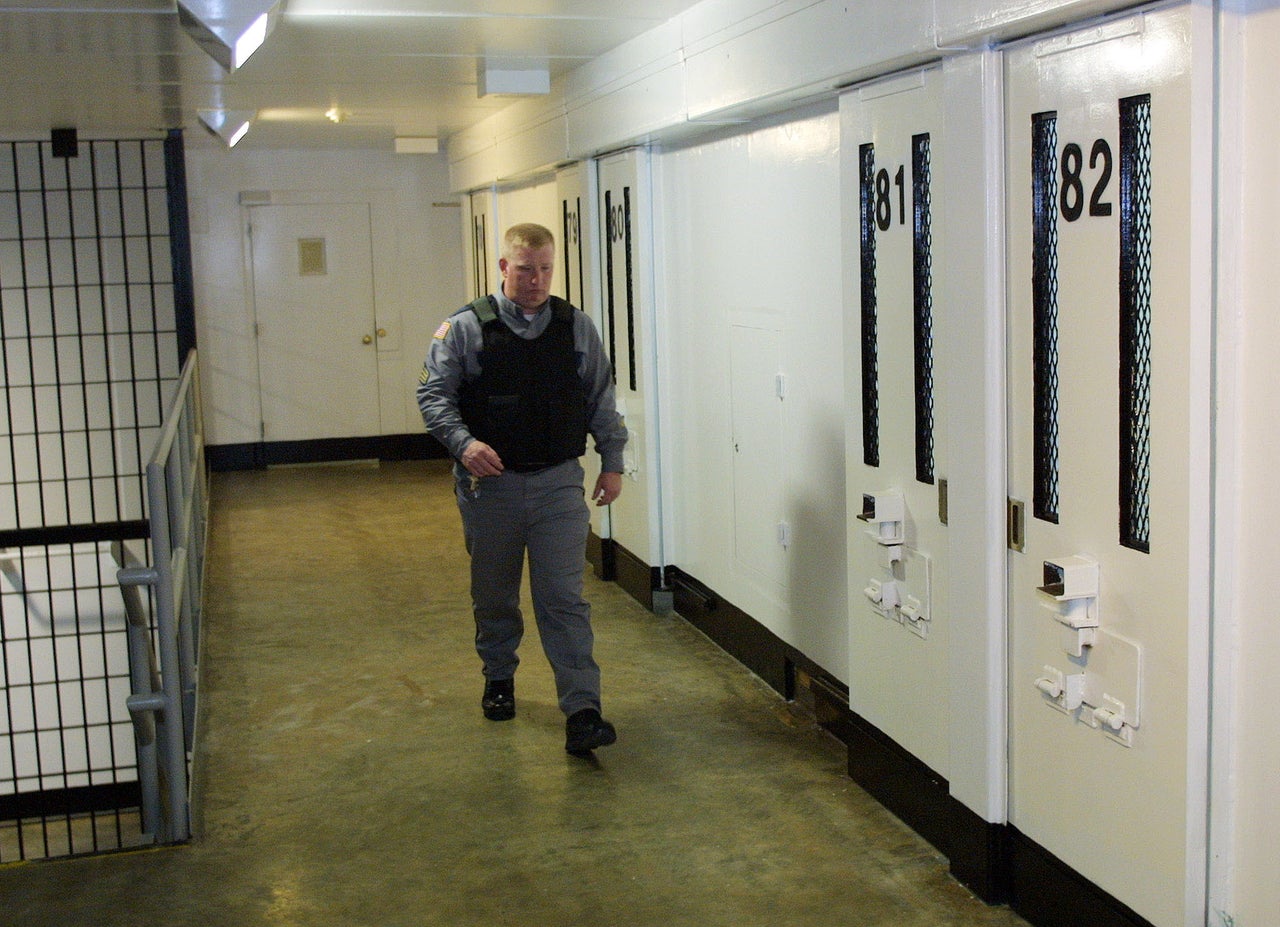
(345, 775)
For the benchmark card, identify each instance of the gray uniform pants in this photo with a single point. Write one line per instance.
(546, 514)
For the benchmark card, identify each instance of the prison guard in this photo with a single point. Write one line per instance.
(528, 403)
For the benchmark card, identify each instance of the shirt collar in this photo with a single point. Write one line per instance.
(512, 309)
(514, 314)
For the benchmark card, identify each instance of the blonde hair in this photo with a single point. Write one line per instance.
(526, 235)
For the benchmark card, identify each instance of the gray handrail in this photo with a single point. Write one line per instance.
(164, 669)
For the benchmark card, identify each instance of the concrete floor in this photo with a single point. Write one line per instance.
(345, 775)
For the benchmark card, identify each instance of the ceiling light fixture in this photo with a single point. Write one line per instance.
(520, 77)
(228, 125)
(417, 144)
(229, 30)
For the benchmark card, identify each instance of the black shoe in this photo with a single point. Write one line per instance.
(585, 730)
(499, 702)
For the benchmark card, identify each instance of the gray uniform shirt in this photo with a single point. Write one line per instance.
(454, 358)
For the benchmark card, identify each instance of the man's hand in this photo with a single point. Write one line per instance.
(481, 460)
(608, 488)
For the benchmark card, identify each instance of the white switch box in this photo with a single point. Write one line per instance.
(886, 514)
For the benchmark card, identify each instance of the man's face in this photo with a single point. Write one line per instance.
(526, 277)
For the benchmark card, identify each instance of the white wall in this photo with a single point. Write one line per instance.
(1247, 713)
(418, 266)
(65, 670)
(535, 201)
(723, 61)
(750, 239)
(714, 202)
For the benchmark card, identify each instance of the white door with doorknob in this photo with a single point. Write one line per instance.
(318, 339)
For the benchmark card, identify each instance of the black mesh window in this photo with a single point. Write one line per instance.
(480, 251)
(922, 275)
(573, 243)
(631, 299)
(867, 235)
(577, 240)
(610, 303)
(1135, 322)
(567, 240)
(1044, 295)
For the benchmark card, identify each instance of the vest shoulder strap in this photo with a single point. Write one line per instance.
(561, 309)
(484, 309)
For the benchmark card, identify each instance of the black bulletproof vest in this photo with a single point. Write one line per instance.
(528, 403)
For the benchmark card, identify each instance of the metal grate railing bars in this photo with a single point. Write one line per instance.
(164, 715)
(89, 327)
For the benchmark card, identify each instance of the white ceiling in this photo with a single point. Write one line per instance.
(390, 67)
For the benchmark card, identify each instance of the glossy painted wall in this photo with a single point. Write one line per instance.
(733, 338)
(749, 253)
(418, 274)
(1245, 812)
(750, 315)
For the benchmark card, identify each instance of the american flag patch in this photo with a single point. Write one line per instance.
(442, 330)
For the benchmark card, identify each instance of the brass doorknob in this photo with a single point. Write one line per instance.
(382, 333)
(367, 339)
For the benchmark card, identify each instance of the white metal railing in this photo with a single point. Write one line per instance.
(163, 653)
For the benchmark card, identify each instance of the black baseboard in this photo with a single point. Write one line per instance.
(978, 852)
(1049, 893)
(262, 454)
(992, 860)
(907, 787)
(736, 632)
(603, 557)
(921, 799)
(115, 796)
(634, 575)
(895, 778)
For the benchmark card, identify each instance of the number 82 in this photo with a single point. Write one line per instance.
(1071, 197)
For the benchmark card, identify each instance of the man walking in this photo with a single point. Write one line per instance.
(512, 385)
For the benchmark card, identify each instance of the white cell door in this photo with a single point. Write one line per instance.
(317, 336)
(629, 339)
(575, 280)
(1108, 379)
(897, 423)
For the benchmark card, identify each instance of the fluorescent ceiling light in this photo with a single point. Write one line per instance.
(422, 144)
(507, 76)
(238, 134)
(250, 40)
(228, 125)
(229, 30)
